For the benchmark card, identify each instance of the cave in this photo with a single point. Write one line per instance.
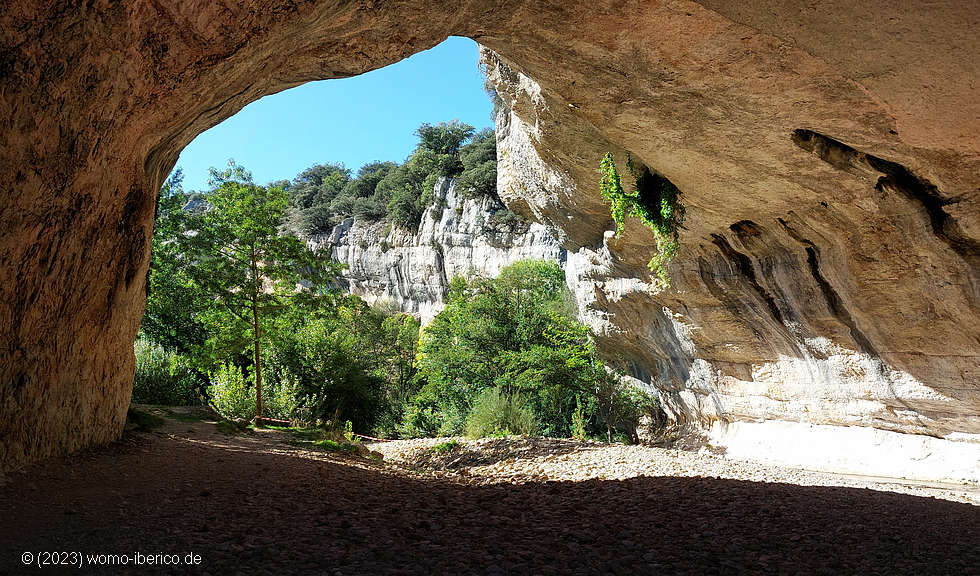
(827, 158)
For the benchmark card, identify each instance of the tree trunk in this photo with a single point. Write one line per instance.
(258, 364)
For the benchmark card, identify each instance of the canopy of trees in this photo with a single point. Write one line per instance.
(325, 194)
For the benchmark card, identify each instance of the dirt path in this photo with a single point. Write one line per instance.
(255, 503)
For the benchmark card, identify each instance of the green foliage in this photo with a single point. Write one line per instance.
(578, 420)
(444, 138)
(349, 431)
(352, 363)
(621, 405)
(234, 257)
(312, 193)
(325, 194)
(611, 189)
(497, 413)
(515, 333)
(231, 393)
(655, 201)
(328, 445)
(163, 377)
(479, 159)
(506, 219)
(445, 447)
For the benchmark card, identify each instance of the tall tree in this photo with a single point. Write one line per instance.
(234, 252)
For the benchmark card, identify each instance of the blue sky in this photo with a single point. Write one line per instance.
(351, 120)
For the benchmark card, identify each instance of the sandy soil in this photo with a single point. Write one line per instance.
(256, 503)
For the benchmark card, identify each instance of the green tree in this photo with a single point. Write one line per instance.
(479, 159)
(313, 192)
(515, 333)
(173, 306)
(235, 254)
(444, 138)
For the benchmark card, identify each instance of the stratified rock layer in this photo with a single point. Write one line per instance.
(457, 236)
(829, 160)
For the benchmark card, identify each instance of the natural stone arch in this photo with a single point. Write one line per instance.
(97, 99)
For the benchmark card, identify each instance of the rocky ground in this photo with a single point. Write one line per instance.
(517, 460)
(266, 502)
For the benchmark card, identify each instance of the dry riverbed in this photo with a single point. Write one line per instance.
(273, 502)
(517, 459)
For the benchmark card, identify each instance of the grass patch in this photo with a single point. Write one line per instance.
(331, 446)
(325, 445)
(445, 447)
(143, 421)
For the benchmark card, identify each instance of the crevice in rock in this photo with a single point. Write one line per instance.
(746, 269)
(897, 178)
(834, 301)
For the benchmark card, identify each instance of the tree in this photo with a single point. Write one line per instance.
(313, 192)
(234, 253)
(516, 334)
(479, 158)
(444, 137)
(173, 306)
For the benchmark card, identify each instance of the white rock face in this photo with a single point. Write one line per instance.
(457, 237)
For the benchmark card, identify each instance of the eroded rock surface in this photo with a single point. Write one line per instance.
(829, 159)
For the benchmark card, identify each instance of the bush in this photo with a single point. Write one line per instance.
(499, 414)
(505, 219)
(445, 447)
(279, 399)
(163, 377)
(231, 393)
(479, 159)
(578, 421)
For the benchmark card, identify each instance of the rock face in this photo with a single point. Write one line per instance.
(457, 236)
(829, 161)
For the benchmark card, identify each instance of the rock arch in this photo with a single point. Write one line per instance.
(97, 99)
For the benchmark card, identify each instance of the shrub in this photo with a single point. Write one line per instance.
(505, 219)
(578, 420)
(279, 398)
(231, 393)
(445, 447)
(163, 377)
(499, 414)
(420, 420)
(479, 158)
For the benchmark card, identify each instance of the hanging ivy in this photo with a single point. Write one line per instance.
(655, 201)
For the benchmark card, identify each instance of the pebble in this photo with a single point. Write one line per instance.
(519, 460)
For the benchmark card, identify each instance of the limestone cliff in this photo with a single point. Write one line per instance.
(457, 236)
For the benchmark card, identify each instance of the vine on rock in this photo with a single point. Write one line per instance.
(655, 201)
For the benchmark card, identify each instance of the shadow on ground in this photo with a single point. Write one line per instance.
(272, 512)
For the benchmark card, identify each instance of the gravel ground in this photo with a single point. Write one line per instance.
(517, 460)
(253, 503)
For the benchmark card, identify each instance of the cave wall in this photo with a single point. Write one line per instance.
(828, 157)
